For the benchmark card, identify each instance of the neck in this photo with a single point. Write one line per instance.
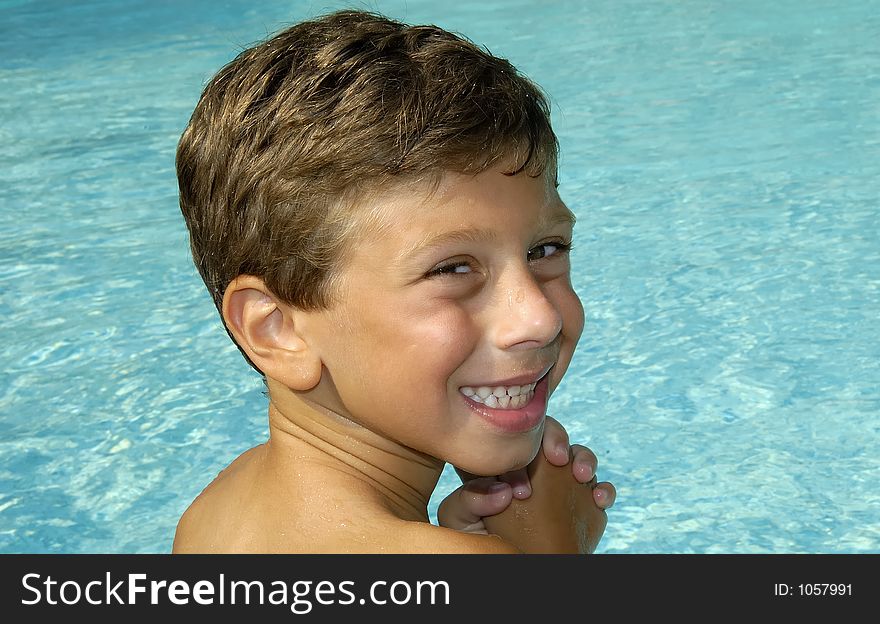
(300, 428)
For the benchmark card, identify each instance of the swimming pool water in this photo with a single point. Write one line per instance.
(723, 159)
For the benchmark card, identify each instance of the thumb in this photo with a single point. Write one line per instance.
(464, 508)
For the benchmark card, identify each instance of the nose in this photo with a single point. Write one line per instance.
(525, 317)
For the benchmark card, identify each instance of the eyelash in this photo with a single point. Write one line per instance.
(561, 248)
(450, 269)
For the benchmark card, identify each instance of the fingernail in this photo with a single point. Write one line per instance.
(602, 499)
(588, 472)
(522, 492)
(562, 450)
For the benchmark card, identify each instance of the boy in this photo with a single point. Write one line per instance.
(373, 208)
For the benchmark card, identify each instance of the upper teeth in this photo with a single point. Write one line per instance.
(501, 396)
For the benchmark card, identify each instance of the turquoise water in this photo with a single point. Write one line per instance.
(723, 159)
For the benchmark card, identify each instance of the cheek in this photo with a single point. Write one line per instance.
(413, 346)
(432, 346)
(573, 316)
(452, 331)
(396, 363)
(572, 311)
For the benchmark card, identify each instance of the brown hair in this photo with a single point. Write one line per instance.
(286, 135)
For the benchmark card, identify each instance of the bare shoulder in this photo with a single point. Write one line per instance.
(247, 510)
(210, 522)
(199, 531)
(194, 532)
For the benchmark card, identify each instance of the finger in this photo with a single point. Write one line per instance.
(604, 494)
(555, 442)
(519, 483)
(584, 463)
(466, 506)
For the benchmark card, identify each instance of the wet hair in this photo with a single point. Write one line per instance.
(290, 134)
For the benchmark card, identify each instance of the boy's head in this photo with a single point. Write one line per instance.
(374, 210)
(291, 138)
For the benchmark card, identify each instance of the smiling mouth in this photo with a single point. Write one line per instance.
(510, 397)
(503, 397)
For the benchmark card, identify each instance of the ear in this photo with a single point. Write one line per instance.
(266, 329)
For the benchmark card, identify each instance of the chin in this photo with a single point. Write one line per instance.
(496, 463)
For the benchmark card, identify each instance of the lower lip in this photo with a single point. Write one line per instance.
(519, 420)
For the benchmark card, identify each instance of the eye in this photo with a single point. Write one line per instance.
(451, 268)
(546, 250)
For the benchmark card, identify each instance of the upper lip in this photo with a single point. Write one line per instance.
(519, 380)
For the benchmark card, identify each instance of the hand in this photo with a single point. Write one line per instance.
(465, 508)
(560, 517)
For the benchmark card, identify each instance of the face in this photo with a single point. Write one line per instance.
(456, 320)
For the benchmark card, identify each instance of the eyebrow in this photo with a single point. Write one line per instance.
(431, 242)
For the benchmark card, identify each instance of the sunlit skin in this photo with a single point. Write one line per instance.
(464, 285)
(468, 287)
